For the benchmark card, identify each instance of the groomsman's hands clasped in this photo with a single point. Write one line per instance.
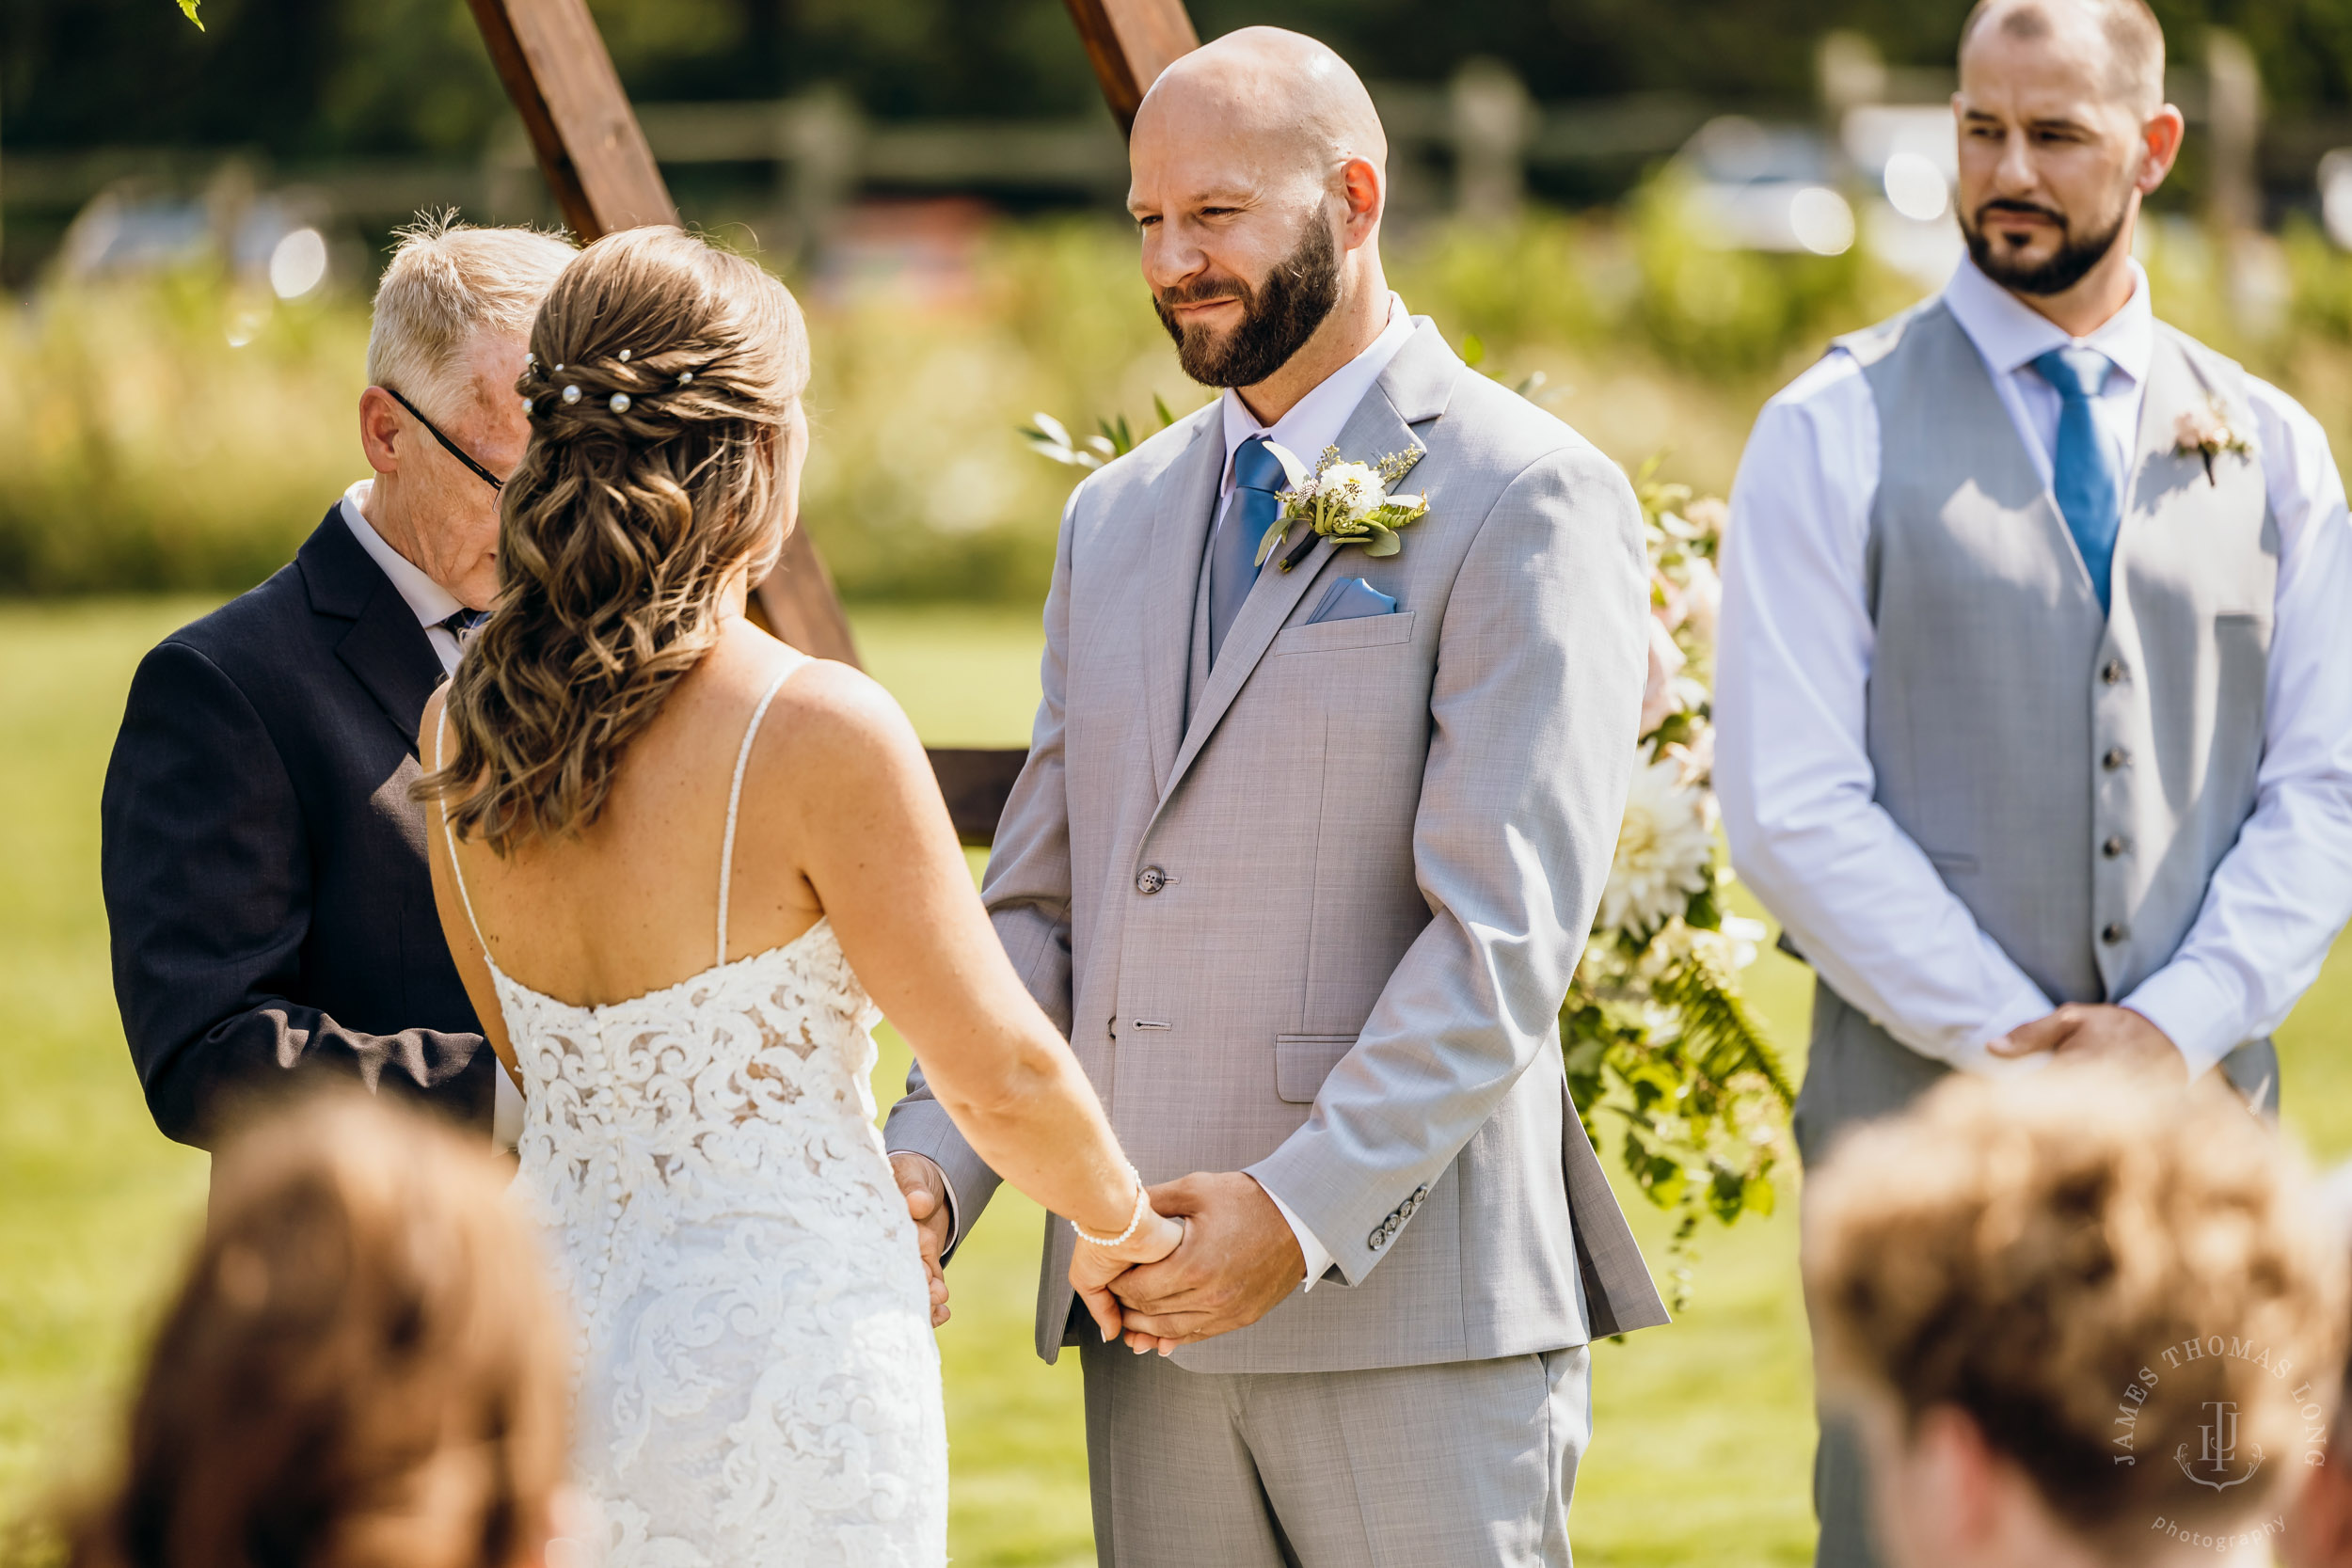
(2083, 1032)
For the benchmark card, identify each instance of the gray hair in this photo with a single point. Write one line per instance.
(448, 283)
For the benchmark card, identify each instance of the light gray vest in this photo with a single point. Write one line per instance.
(2073, 777)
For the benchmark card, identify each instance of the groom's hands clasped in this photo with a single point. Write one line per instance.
(925, 1188)
(1238, 1260)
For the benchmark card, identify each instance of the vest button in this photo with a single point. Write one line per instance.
(2112, 670)
(1149, 880)
(2112, 848)
(2114, 933)
(2115, 758)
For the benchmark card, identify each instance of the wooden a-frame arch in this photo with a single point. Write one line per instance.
(602, 173)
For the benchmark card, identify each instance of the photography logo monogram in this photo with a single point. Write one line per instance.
(2218, 1461)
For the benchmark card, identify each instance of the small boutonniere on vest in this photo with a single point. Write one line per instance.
(2207, 433)
(1347, 501)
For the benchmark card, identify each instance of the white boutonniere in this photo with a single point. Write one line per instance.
(1347, 501)
(2207, 433)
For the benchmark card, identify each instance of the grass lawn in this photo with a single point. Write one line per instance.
(1703, 1442)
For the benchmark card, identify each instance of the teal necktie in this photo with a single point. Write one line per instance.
(1258, 481)
(2083, 468)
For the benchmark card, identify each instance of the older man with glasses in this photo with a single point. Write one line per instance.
(265, 869)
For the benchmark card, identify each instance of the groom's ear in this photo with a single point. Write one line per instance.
(1364, 188)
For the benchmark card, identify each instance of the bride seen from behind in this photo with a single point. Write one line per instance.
(682, 865)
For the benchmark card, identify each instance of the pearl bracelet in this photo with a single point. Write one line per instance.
(1134, 1222)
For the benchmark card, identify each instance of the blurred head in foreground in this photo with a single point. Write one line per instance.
(2078, 1320)
(361, 1371)
(2319, 1532)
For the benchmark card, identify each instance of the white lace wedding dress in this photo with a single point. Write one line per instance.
(758, 1386)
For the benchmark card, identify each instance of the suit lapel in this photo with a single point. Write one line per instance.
(384, 650)
(1179, 548)
(1376, 428)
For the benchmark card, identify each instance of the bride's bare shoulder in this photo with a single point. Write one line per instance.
(834, 726)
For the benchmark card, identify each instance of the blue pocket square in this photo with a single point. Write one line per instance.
(1350, 599)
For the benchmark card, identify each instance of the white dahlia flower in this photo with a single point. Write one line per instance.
(1665, 850)
(1354, 488)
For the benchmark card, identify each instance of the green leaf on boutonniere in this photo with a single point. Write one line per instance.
(188, 8)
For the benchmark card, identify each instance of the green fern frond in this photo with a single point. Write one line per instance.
(1717, 1025)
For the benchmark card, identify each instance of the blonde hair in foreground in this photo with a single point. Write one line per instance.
(2025, 1252)
(362, 1370)
(447, 283)
(629, 515)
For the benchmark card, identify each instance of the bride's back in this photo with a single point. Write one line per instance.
(592, 733)
(629, 904)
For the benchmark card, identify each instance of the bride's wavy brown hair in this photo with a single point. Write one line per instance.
(664, 372)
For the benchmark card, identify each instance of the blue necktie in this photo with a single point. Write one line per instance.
(1258, 481)
(2089, 488)
(462, 624)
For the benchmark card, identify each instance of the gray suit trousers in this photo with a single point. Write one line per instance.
(1857, 1074)
(1468, 1464)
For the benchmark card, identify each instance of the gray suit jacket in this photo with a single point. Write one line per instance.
(1322, 932)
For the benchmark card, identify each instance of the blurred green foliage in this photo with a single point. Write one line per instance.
(308, 77)
(147, 452)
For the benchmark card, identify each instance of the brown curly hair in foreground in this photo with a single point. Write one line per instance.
(2038, 1254)
(665, 374)
(362, 1370)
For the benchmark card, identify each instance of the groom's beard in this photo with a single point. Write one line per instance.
(1278, 316)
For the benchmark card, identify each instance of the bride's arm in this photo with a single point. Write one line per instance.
(876, 845)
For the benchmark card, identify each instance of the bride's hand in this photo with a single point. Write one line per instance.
(1092, 1268)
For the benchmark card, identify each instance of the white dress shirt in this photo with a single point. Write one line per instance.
(433, 604)
(1792, 766)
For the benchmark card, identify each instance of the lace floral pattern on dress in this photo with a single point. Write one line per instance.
(758, 1382)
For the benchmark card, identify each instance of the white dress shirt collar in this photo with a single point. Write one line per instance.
(2011, 334)
(1316, 420)
(432, 603)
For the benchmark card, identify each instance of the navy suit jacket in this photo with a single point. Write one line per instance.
(271, 913)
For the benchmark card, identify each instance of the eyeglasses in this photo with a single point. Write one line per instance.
(451, 446)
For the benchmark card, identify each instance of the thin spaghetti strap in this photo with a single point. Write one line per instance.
(735, 796)
(440, 733)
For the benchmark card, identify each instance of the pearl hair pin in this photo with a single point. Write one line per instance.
(624, 357)
(527, 402)
(620, 403)
(685, 377)
(571, 394)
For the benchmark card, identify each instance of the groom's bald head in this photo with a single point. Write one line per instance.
(1267, 93)
(1260, 173)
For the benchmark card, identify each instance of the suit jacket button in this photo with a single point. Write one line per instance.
(2112, 670)
(2112, 848)
(2115, 932)
(2115, 757)
(1149, 880)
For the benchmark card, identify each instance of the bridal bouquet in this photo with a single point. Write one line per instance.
(1658, 1040)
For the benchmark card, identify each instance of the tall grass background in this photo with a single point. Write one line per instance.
(183, 433)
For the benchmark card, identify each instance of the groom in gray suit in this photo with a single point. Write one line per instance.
(1302, 861)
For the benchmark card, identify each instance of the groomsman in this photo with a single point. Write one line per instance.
(2035, 685)
(264, 870)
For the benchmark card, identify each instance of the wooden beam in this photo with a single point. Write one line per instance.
(561, 77)
(1131, 43)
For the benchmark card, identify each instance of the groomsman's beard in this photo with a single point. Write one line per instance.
(2070, 265)
(1278, 316)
